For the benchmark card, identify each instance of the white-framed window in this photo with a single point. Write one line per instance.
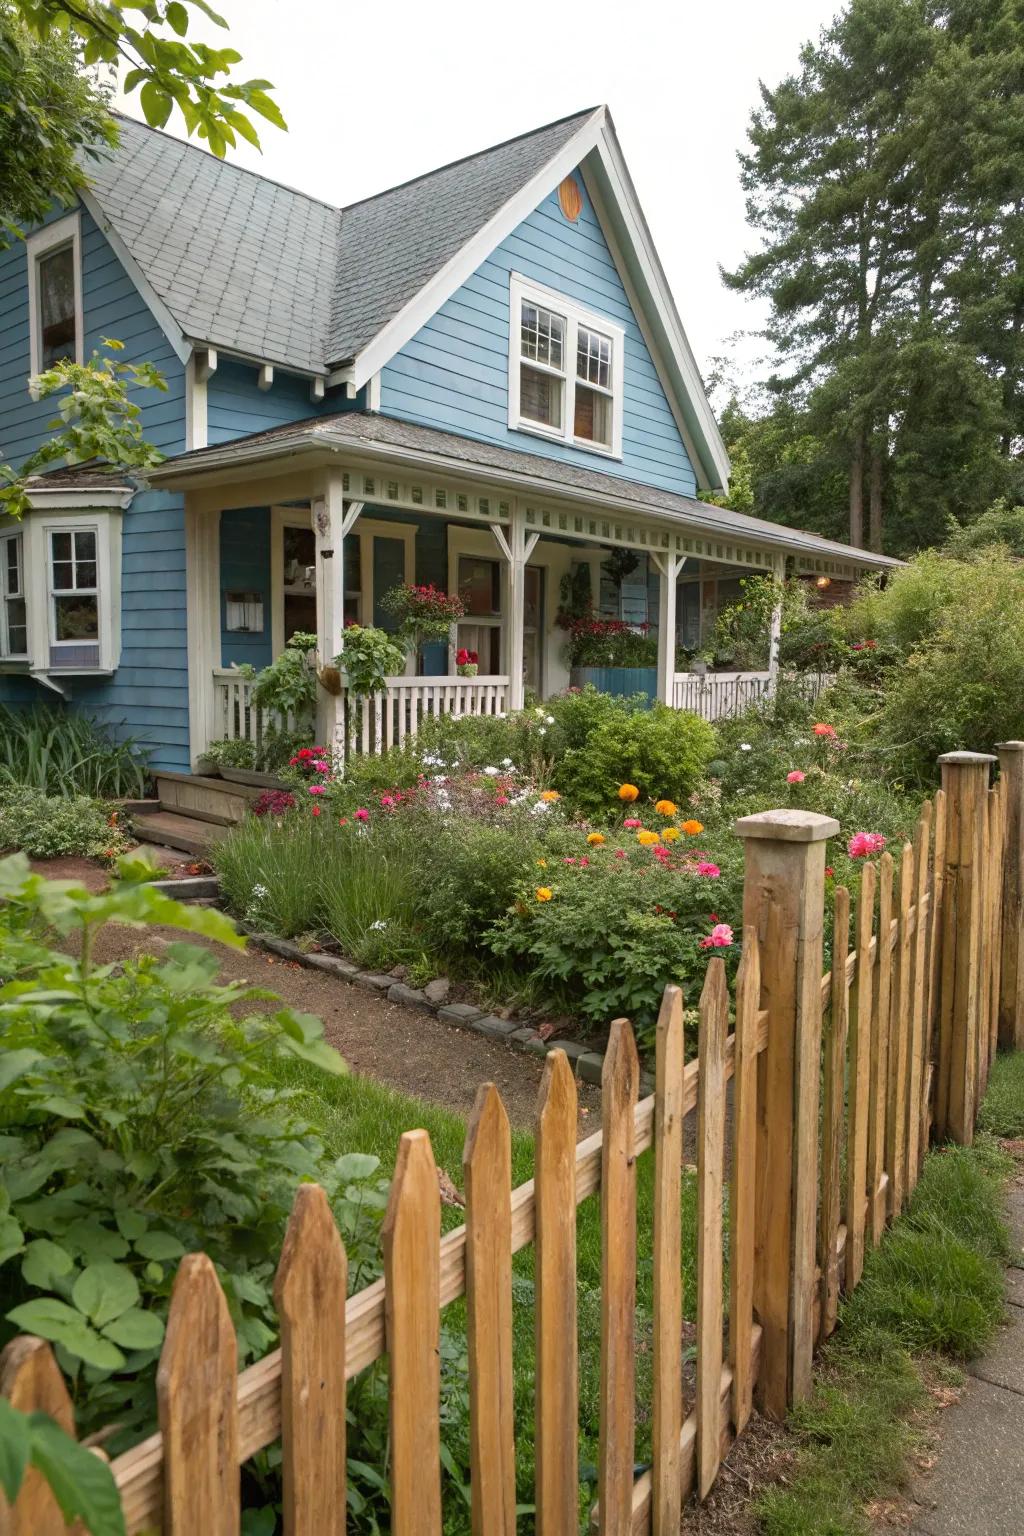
(13, 613)
(565, 370)
(56, 326)
(72, 563)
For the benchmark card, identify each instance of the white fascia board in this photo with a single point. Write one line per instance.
(403, 326)
(162, 315)
(68, 498)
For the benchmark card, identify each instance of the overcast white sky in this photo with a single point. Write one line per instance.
(375, 94)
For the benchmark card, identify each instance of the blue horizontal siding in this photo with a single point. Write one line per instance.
(236, 406)
(453, 373)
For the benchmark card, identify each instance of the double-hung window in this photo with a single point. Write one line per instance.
(73, 568)
(13, 618)
(565, 371)
(55, 294)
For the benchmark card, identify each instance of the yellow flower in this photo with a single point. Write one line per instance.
(693, 828)
(647, 839)
(628, 792)
(665, 808)
(543, 893)
(542, 863)
(670, 834)
(595, 839)
(550, 795)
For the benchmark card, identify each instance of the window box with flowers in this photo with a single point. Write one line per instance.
(617, 658)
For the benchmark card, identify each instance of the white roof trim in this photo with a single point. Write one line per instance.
(635, 251)
(71, 498)
(164, 319)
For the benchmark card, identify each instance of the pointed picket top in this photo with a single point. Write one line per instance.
(487, 1134)
(32, 1382)
(196, 1388)
(309, 1293)
(556, 1097)
(715, 992)
(621, 1071)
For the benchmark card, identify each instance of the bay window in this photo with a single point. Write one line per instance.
(13, 619)
(565, 371)
(74, 592)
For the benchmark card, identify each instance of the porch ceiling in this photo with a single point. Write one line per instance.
(400, 464)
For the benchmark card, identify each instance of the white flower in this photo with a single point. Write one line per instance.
(745, 746)
(543, 731)
(259, 892)
(380, 924)
(506, 762)
(538, 711)
(539, 808)
(500, 715)
(549, 719)
(492, 773)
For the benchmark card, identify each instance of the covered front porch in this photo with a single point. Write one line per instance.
(309, 535)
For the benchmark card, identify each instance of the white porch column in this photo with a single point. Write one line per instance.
(202, 605)
(668, 567)
(775, 635)
(332, 520)
(517, 547)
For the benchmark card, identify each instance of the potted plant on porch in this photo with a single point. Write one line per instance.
(424, 613)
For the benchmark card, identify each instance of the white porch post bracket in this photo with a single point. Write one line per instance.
(668, 567)
(517, 547)
(775, 632)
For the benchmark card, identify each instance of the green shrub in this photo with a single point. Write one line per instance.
(662, 751)
(367, 902)
(51, 827)
(141, 1121)
(467, 874)
(269, 871)
(65, 754)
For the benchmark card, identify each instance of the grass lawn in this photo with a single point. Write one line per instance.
(357, 1114)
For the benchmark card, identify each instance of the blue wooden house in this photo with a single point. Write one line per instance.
(477, 379)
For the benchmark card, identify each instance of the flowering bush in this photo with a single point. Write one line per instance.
(273, 802)
(659, 752)
(597, 642)
(422, 613)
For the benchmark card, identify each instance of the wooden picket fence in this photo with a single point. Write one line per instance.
(838, 1082)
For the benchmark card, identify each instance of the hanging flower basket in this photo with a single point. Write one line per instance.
(467, 663)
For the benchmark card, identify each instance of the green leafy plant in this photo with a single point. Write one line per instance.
(370, 655)
(50, 827)
(288, 685)
(662, 751)
(81, 1482)
(65, 754)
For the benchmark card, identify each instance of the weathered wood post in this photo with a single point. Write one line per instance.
(784, 894)
(1011, 984)
(965, 779)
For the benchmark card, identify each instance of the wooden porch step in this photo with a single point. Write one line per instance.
(204, 799)
(169, 829)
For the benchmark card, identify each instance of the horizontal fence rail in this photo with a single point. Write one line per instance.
(720, 695)
(838, 1080)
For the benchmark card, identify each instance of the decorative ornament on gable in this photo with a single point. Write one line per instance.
(570, 199)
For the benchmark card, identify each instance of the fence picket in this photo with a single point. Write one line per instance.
(899, 1030)
(668, 1271)
(197, 1402)
(832, 1115)
(411, 1237)
(918, 1001)
(743, 1183)
(309, 1294)
(619, 1082)
(31, 1381)
(994, 929)
(859, 1071)
(880, 1050)
(557, 1390)
(714, 1021)
(487, 1171)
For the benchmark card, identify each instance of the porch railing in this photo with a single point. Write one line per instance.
(372, 725)
(719, 695)
(236, 717)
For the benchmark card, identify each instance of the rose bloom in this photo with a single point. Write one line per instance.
(628, 792)
(317, 789)
(670, 834)
(632, 821)
(824, 730)
(795, 777)
(620, 853)
(863, 844)
(316, 810)
(595, 839)
(550, 795)
(693, 828)
(719, 937)
(543, 893)
(647, 839)
(665, 808)
(712, 871)
(362, 814)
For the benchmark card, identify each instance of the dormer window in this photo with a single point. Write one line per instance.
(565, 371)
(55, 294)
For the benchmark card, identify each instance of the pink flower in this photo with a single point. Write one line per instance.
(362, 814)
(501, 799)
(317, 789)
(662, 853)
(863, 844)
(712, 871)
(632, 821)
(388, 802)
(719, 937)
(321, 767)
(620, 853)
(796, 777)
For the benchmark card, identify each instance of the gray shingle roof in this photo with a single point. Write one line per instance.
(356, 428)
(252, 266)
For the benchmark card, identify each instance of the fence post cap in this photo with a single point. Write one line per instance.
(1010, 746)
(788, 826)
(967, 759)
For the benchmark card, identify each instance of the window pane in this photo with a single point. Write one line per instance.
(60, 544)
(85, 544)
(480, 585)
(540, 397)
(57, 306)
(542, 335)
(594, 358)
(85, 575)
(76, 618)
(63, 576)
(299, 558)
(13, 565)
(17, 630)
(593, 418)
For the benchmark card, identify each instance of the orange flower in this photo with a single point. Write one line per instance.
(670, 834)
(542, 863)
(646, 838)
(693, 828)
(665, 808)
(550, 795)
(543, 893)
(628, 792)
(595, 839)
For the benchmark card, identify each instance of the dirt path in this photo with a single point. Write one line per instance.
(406, 1048)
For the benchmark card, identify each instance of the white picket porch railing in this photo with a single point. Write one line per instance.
(719, 695)
(236, 717)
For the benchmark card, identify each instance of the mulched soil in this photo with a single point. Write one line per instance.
(94, 875)
(405, 1047)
